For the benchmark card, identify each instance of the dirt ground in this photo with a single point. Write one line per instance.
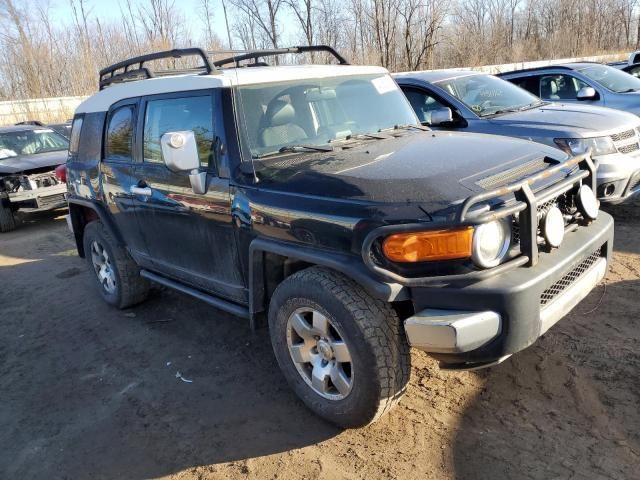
(90, 392)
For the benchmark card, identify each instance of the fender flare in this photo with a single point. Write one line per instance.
(78, 223)
(351, 266)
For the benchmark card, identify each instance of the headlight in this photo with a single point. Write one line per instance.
(491, 243)
(577, 146)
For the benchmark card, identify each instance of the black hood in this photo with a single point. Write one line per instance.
(24, 163)
(430, 168)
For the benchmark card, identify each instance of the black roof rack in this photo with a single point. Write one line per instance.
(256, 54)
(109, 76)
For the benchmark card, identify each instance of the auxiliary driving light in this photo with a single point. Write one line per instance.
(553, 227)
(587, 203)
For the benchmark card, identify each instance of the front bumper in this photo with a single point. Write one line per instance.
(40, 199)
(486, 321)
(618, 177)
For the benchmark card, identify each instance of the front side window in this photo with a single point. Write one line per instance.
(560, 87)
(488, 95)
(317, 111)
(31, 142)
(120, 133)
(179, 114)
(612, 78)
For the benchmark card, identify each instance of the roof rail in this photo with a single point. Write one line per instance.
(256, 54)
(109, 76)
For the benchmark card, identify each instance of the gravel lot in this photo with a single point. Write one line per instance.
(87, 391)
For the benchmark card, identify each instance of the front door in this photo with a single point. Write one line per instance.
(188, 236)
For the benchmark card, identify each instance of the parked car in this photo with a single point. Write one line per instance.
(476, 102)
(63, 129)
(29, 182)
(631, 69)
(587, 83)
(311, 195)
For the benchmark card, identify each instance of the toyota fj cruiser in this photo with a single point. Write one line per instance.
(313, 196)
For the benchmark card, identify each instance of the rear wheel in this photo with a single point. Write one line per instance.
(7, 219)
(342, 351)
(116, 273)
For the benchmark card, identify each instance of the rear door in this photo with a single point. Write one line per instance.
(118, 173)
(188, 236)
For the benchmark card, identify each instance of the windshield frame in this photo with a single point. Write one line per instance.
(618, 71)
(36, 131)
(535, 100)
(249, 152)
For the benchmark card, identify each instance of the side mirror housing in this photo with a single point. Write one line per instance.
(440, 116)
(180, 154)
(586, 93)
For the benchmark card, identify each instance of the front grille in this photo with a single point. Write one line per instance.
(623, 135)
(632, 147)
(51, 200)
(565, 282)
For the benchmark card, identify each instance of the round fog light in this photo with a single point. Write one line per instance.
(587, 203)
(553, 227)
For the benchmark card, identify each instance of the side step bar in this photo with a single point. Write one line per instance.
(230, 307)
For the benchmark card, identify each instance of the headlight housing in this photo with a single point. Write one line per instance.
(578, 146)
(491, 242)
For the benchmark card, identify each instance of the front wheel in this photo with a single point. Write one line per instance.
(7, 219)
(342, 351)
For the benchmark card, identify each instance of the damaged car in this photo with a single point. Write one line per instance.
(32, 172)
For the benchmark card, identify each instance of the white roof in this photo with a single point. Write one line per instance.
(101, 101)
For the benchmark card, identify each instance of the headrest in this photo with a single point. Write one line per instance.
(280, 113)
(554, 87)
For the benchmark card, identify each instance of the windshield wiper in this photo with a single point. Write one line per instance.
(405, 126)
(295, 149)
(629, 90)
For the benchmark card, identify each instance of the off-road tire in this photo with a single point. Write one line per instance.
(7, 219)
(131, 288)
(372, 330)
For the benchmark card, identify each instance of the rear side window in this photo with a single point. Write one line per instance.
(178, 114)
(74, 141)
(120, 134)
(530, 84)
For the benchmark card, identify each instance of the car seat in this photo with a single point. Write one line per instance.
(280, 127)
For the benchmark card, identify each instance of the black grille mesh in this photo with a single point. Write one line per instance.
(565, 282)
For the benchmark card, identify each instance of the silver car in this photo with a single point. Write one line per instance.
(586, 83)
(476, 102)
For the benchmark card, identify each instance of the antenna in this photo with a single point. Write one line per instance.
(226, 21)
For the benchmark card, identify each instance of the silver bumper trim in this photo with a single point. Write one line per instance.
(451, 331)
(565, 302)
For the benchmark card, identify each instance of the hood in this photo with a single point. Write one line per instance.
(565, 121)
(429, 168)
(24, 163)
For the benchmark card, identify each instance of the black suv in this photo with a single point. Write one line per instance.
(311, 195)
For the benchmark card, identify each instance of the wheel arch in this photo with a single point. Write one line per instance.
(81, 212)
(271, 261)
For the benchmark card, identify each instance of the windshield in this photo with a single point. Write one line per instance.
(488, 95)
(31, 142)
(315, 112)
(612, 78)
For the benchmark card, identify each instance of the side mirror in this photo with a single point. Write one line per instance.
(586, 93)
(180, 154)
(440, 116)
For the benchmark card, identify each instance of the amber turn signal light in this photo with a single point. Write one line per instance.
(427, 246)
